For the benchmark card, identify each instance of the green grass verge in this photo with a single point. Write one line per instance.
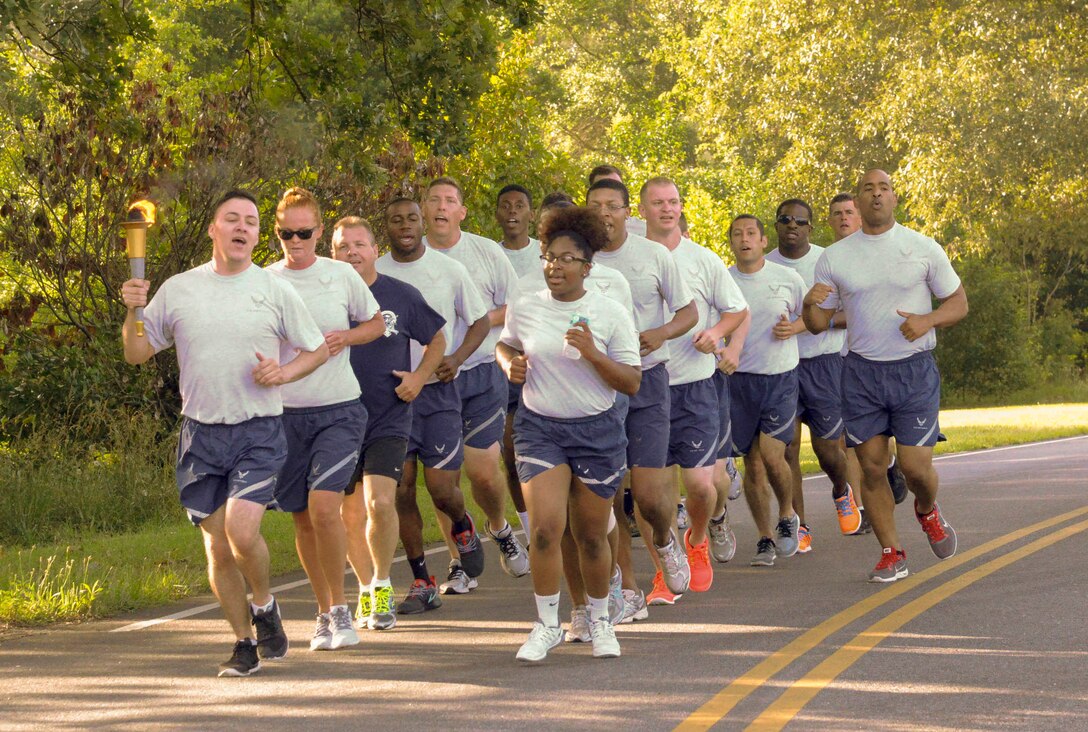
(102, 574)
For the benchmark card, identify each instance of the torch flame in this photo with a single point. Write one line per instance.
(142, 211)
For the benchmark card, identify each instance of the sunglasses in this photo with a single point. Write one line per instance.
(786, 220)
(302, 234)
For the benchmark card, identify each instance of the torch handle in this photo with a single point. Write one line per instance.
(136, 268)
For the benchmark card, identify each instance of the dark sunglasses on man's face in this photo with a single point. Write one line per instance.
(785, 220)
(302, 234)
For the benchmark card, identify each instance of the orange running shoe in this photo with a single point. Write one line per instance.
(661, 595)
(702, 574)
(849, 515)
(804, 540)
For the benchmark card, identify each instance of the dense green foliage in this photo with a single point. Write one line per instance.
(978, 109)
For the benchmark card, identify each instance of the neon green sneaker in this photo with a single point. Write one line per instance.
(383, 613)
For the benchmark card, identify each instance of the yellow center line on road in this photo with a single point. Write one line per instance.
(802, 691)
(723, 702)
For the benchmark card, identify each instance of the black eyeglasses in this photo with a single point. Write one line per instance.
(785, 220)
(303, 234)
(564, 260)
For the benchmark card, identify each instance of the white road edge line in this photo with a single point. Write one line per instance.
(182, 614)
(439, 549)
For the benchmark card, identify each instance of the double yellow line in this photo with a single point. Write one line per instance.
(790, 703)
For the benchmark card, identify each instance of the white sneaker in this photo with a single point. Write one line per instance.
(616, 603)
(457, 581)
(723, 542)
(734, 478)
(541, 640)
(322, 640)
(579, 625)
(682, 520)
(674, 566)
(605, 644)
(512, 555)
(343, 629)
(634, 606)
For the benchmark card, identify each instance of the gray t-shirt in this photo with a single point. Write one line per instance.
(447, 288)
(771, 292)
(493, 276)
(523, 260)
(657, 288)
(601, 279)
(832, 339)
(334, 294)
(218, 324)
(874, 276)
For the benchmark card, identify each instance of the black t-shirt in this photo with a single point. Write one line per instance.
(408, 318)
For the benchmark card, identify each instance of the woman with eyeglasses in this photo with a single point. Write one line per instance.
(573, 349)
(322, 416)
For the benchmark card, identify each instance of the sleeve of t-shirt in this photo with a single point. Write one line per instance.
(674, 290)
(297, 325)
(727, 296)
(468, 304)
(623, 339)
(941, 278)
(361, 303)
(158, 326)
(423, 321)
(825, 276)
(510, 329)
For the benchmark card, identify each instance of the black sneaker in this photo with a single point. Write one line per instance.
(243, 661)
(470, 549)
(271, 639)
(866, 526)
(897, 481)
(422, 596)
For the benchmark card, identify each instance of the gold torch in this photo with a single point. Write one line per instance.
(141, 215)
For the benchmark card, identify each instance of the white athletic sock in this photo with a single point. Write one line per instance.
(611, 522)
(598, 608)
(259, 609)
(366, 590)
(336, 606)
(523, 517)
(381, 583)
(504, 532)
(547, 609)
(719, 518)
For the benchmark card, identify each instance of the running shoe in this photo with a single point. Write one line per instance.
(421, 597)
(674, 563)
(765, 553)
(804, 540)
(723, 542)
(702, 574)
(383, 616)
(866, 525)
(243, 660)
(271, 639)
(660, 594)
(363, 611)
(578, 632)
(897, 481)
(457, 581)
(322, 640)
(541, 640)
(735, 480)
(682, 520)
(616, 604)
(512, 555)
(787, 541)
(941, 535)
(634, 607)
(470, 549)
(343, 630)
(891, 567)
(605, 644)
(849, 513)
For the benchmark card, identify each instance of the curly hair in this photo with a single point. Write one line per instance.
(582, 225)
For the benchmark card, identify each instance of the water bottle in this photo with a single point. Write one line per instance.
(568, 350)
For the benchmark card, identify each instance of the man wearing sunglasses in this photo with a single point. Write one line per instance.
(480, 382)
(885, 277)
(819, 374)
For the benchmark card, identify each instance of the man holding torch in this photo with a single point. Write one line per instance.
(224, 317)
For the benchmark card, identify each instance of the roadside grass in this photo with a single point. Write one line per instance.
(96, 574)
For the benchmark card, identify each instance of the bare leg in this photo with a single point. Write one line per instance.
(879, 503)
(224, 575)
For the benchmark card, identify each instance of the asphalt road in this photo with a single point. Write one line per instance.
(994, 638)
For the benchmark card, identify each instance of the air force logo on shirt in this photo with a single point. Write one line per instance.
(390, 319)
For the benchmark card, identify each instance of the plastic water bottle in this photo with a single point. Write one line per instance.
(568, 350)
